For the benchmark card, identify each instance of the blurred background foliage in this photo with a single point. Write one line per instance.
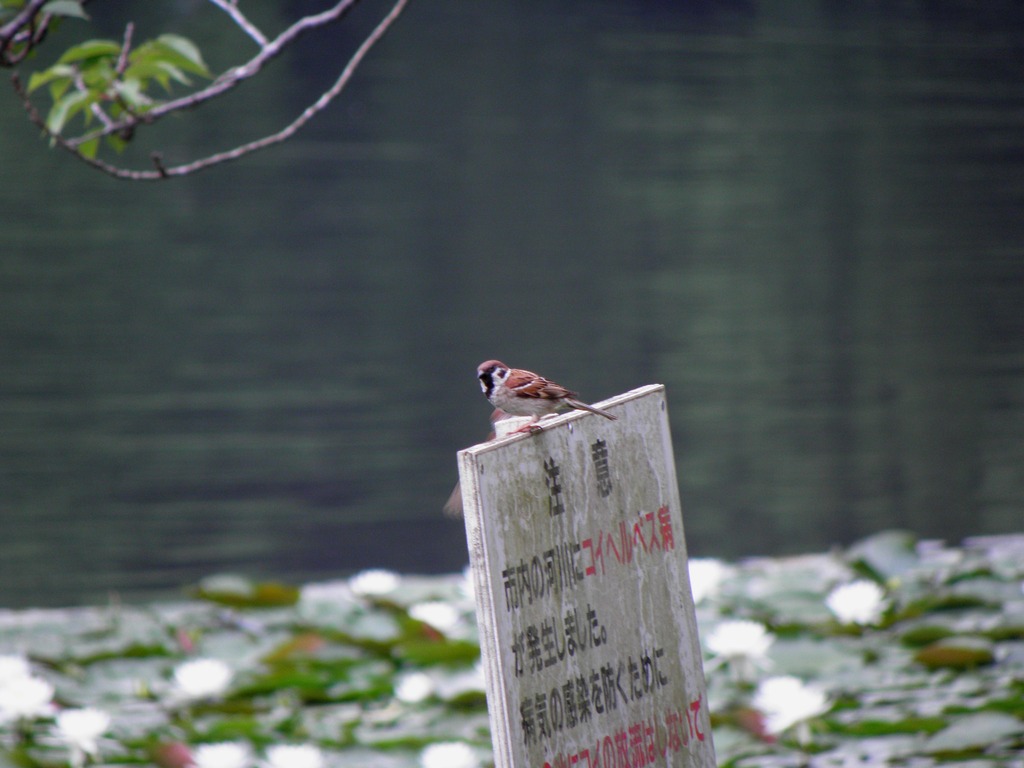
(803, 218)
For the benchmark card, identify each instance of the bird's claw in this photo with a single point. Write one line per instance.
(531, 429)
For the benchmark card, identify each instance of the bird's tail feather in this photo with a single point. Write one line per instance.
(584, 407)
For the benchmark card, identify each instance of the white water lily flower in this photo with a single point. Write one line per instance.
(859, 602)
(25, 697)
(738, 637)
(741, 644)
(787, 701)
(414, 688)
(202, 678)
(706, 575)
(440, 615)
(81, 729)
(225, 754)
(294, 756)
(13, 667)
(449, 754)
(375, 581)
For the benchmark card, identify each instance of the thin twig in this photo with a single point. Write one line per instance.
(15, 31)
(19, 22)
(36, 119)
(230, 7)
(232, 78)
(308, 113)
(158, 161)
(126, 46)
(269, 51)
(99, 114)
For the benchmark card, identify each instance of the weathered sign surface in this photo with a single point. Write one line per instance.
(586, 618)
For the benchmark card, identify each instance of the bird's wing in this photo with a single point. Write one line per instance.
(529, 384)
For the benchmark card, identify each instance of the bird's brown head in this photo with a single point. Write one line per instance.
(491, 373)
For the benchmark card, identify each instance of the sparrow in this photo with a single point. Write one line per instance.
(524, 393)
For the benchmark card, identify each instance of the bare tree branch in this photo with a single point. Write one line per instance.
(22, 29)
(126, 46)
(269, 49)
(230, 7)
(21, 20)
(232, 78)
(288, 131)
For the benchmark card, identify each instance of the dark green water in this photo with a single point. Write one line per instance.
(803, 218)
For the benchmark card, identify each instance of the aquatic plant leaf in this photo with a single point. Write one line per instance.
(975, 733)
(956, 653)
(239, 592)
(884, 556)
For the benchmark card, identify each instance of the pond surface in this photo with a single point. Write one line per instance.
(802, 218)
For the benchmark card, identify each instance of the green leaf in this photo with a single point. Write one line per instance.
(427, 652)
(98, 74)
(925, 634)
(115, 142)
(161, 71)
(188, 56)
(56, 72)
(59, 87)
(130, 90)
(886, 555)
(303, 645)
(956, 653)
(90, 49)
(89, 148)
(238, 592)
(169, 50)
(67, 107)
(72, 8)
(974, 733)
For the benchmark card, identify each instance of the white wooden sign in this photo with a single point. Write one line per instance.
(587, 626)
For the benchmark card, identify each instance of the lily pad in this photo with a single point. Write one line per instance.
(425, 652)
(239, 592)
(925, 634)
(884, 556)
(956, 653)
(920, 689)
(807, 657)
(974, 733)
